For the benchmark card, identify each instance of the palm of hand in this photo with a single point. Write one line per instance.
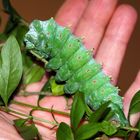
(88, 19)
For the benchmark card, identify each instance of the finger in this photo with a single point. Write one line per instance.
(128, 97)
(70, 12)
(113, 46)
(94, 21)
(8, 131)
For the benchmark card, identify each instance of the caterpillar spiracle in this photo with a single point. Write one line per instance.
(73, 64)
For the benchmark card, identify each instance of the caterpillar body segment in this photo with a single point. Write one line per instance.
(73, 65)
(75, 62)
(72, 45)
(89, 69)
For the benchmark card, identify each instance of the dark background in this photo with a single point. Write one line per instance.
(44, 9)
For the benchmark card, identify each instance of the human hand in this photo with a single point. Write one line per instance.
(106, 28)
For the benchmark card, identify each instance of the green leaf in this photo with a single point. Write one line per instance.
(138, 126)
(52, 86)
(87, 131)
(99, 113)
(3, 37)
(19, 122)
(88, 110)
(19, 32)
(1, 102)
(108, 128)
(121, 120)
(57, 89)
(135, 104)
(10, 69)
(121, 133)
(27, 132)
(35, 74)
(77, 110)
(32, 72)
(64, 132)
(47, 86)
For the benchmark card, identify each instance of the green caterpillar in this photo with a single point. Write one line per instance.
(73, 64)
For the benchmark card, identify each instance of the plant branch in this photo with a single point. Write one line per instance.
(8, 110)
(130, 129)
(24, 22)
(25, 93)
(41, 108)
(39, 57)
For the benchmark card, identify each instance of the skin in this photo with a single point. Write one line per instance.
(106, 27)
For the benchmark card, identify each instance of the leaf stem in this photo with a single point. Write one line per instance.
(28, 116)
(24, 22)
(41, 108)
(25, 93)
(6, 109)
(39, 57)
(130, 129)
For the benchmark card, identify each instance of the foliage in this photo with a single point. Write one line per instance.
(27, 131)
(19, 68)
(64, 132)
(10, 68)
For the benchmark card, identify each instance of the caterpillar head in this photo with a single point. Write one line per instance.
(39, 36)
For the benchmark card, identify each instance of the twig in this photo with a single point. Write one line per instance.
(39, 57)
(41, 108)
(28, 116)
(25, 93)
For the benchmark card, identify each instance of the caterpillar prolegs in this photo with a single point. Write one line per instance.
(73, 64)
